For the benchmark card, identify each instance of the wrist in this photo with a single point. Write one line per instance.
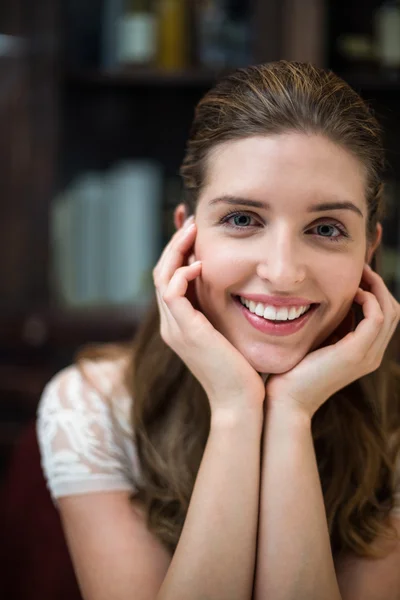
(231, 418)
(289, 413)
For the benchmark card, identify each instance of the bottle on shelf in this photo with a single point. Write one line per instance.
(237, 34)
(387, 38)
(173, 38)
(358, 52)
(210, 20)
(223, 37)
(137, 33)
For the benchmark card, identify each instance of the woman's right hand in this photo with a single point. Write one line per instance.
(228, 379)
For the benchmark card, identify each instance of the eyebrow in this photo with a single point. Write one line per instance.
(320, 207)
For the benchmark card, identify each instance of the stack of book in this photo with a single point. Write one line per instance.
(106, 235)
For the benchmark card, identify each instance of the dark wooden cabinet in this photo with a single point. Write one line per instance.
(28, 149)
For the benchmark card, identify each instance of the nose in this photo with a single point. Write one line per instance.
(282, 261)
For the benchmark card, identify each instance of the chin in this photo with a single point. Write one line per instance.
(278, 360)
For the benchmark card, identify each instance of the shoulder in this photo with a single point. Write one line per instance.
(84, 429)
(90, 391)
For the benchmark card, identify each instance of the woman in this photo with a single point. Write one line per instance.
(260, 457)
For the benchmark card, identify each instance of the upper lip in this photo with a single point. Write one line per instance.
(277, 300)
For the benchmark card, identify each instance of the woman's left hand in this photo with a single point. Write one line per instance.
(328, 369)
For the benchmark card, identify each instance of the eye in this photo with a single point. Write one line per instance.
(240, 220)
(329, 226)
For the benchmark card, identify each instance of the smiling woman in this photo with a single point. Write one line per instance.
(283, 178)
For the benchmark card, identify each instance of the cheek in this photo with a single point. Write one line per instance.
(223, 263)
(222, 272)
(340, 281)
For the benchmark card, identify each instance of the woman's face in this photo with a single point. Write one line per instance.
(282, 247)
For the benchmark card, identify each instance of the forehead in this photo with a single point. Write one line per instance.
(284, 166)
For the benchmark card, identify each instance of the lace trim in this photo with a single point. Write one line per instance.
(86, 442)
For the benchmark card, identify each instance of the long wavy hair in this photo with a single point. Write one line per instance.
(356, 431)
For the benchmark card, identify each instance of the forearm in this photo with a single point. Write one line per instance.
(215, 556)
(294, 559)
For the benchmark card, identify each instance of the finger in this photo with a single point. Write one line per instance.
(173, 257)
(179, 234)
(367, 332)
(174, 297)
(165, 315)
(387, 302)
(378, 286)
(169, 329)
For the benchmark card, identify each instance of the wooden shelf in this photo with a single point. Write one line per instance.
(68, 327)
(145, 77)
(371, 81)
(127, 77)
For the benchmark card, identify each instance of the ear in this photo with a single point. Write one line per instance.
(180, 216)
(372, 248)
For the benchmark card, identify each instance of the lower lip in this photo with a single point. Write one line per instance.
(274, 328)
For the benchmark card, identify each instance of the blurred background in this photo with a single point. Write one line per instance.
(96, 101)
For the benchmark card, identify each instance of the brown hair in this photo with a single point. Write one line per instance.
(356, 431)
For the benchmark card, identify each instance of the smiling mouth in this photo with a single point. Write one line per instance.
(311, 308)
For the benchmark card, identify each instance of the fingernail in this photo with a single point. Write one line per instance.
(188, 222)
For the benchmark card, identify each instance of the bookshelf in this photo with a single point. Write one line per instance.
(149, 77)
(62, 114)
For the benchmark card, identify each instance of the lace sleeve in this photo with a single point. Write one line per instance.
(81, 448)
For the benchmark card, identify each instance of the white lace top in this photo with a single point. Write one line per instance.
(85, 434)
(84, 431)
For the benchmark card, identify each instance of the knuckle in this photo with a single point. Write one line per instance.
(181, 270)
(374, 362)
(155, 274)
(167, 297)
(164, 334)
(197, 329)
(374, 365)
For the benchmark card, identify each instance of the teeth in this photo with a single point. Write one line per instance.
(274, 314)
(260, 310)
(271, 313)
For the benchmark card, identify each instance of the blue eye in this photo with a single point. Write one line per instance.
(239, 220)
(333, 238)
